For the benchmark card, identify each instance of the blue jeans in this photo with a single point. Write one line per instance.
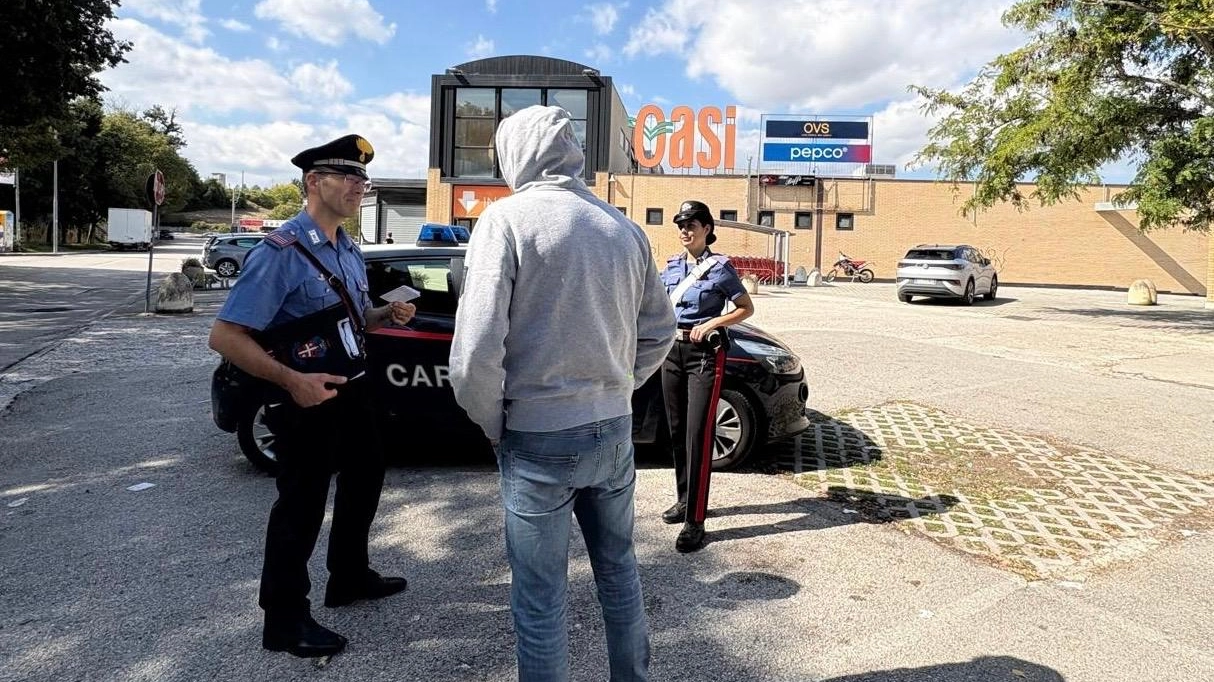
(547, 478)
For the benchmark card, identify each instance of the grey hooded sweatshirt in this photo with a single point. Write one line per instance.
(562, 314)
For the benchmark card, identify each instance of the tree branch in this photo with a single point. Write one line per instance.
(1191, 91)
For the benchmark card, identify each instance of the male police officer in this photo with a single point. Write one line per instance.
(322, 428)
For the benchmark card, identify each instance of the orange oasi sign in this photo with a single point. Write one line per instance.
(708, 124)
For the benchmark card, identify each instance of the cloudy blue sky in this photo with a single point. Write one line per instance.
(254, 81)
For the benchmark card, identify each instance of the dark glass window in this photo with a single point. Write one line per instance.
(475, 118)
(479, 110)
(729, 215)
(432, 277)
(622, 209)
(653, 216)
(804, 220)
(514, 99)
(845, 221)
(767, 218)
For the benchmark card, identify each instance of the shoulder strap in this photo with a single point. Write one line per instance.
(334, 281)
(697, 272)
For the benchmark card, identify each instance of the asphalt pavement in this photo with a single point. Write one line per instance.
(107, 578)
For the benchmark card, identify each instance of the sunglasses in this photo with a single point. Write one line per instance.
(350, 179)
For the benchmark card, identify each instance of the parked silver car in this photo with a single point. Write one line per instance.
(224, 253)
(946, 271)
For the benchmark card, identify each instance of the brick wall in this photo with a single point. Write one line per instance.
(1066, 244)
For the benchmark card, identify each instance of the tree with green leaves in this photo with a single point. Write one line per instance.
(1100, 81)
(53, 51)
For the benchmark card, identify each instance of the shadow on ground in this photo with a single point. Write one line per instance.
(982, 669)
(1177, 319)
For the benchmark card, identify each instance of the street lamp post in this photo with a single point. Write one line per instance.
(55, 209)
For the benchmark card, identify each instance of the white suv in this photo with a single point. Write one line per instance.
(941, 271)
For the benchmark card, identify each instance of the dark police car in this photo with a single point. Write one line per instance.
(763, 396)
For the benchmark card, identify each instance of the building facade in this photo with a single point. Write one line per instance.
(1077, 243)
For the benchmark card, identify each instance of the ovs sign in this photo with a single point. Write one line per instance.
(682, 154)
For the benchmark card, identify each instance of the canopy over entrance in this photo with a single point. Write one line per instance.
(780, 248)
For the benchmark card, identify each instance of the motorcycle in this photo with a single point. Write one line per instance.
(850, 267)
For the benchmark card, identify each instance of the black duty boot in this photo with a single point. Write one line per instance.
(341, 592)
(300, 636)
(675, 514)
(690, 538)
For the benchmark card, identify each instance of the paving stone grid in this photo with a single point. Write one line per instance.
(1054, 510)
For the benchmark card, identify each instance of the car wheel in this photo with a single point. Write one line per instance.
(905, 298)
(736, 425)
(226, 268)
(968, 297)
(990, 295)
(257, 441)
(866, 276)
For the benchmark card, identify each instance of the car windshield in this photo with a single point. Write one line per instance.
(930, 254)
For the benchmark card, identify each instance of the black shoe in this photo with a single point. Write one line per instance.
(372, 586)
(675, 514)
(690, 538)
(301, 637)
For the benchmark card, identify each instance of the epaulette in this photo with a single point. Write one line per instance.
(721, 258)
(282, 237)
(674, 258)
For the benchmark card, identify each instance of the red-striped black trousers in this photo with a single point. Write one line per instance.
(691, 386)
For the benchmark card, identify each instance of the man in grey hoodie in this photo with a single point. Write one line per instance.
(562, 316)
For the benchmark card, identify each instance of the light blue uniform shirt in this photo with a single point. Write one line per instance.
(706, 297)
(278, 283)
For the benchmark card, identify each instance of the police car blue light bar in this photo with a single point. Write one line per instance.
(439, 235)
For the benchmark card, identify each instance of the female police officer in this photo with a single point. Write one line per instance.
(699, 283)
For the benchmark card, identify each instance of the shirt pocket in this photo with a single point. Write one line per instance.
(319, 292)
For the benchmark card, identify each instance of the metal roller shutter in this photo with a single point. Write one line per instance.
(403, 221)
(367, 222)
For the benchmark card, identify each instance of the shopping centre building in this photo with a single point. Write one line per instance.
(813, 193)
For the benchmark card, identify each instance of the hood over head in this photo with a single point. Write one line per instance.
(537, 146)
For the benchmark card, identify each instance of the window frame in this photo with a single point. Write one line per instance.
(762, 214)
(848, 218)
(728, 214)
(796, 220)
(496, 117)
(649, 219)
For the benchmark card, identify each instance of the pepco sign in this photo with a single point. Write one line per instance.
(651, 124)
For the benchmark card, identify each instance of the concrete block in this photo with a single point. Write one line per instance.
(750, 283)
(814, 278)
(1142, 292)
(175, 294)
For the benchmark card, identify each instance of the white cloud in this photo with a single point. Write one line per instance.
(823, 55)
(235, 25)
(626, 89)
(275, 44)
(183, 13)
(398, 125)
(599, 54)
(162, 70)
(604, 17)
(261, 151)
(483, 47)
(491, 6)
(329, 22)
(321, 81)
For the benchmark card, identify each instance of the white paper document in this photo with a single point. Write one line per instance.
(403, 293)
